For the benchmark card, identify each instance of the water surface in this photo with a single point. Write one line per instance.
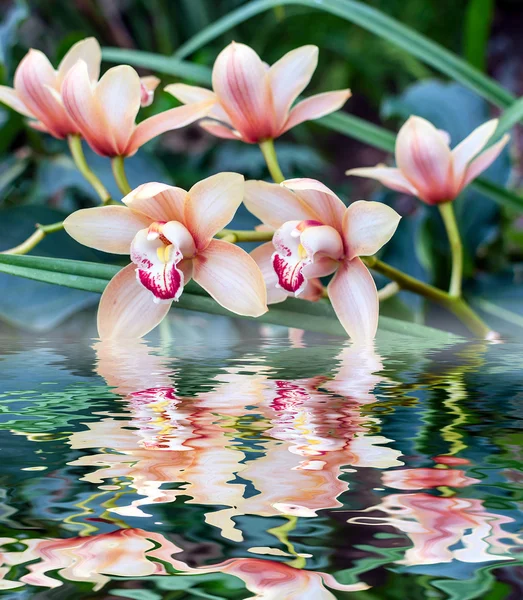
(260, 466)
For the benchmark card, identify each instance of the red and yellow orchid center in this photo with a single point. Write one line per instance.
(157, 252)
(305, 249)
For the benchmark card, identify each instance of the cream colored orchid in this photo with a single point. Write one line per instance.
(105, 111)
(169, 234)
(316, 235)
(252, 101)
(428, 168)
(37, 87)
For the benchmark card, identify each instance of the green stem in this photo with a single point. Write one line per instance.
(269, 153)
(449, 219)
(457, 306)
(388, 291)
(244, 236)
(35, 238)
(75, 146)
(117, 164)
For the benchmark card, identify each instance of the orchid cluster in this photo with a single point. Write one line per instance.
(173, 235)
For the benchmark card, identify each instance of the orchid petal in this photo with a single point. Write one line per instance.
(219, 130)
(87, 50)
(314, 289)
(192, 94)
(79, 100)
(315, 107)
(9, 97)
(241, 83)
(321, 200)
(127, 309)
(425, 159)
(148, 85)
(367, 226)
(34, 82)
(354, 298)
(157, 266)
(471, 146)
(274, 204)
(321, 267)
(106, 228)
(211, 205)
(263, 258)
(388, 176)
(289, 77)
(119, 95)
(38, 126)
(174, 118)
(232, 278)
(159, 201)
(445, 136)
(484, 160)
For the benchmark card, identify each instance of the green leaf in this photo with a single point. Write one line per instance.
(156, 62)
(93, 277)
(478, 22)
(376, 22)
(512, 116)
(30, 304)
(360, 130)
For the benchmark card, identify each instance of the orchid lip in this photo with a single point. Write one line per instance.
(157, 251)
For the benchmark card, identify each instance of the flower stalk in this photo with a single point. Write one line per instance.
(239, 236)
(455, 305)
(34, 239)
(456, 247)
(269, 153)
(118, 167)
(75, 146)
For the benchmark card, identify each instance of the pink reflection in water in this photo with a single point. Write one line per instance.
(137, 553)
(435, 524)
(304, 438)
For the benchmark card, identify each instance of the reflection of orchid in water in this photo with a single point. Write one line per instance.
(305, 438)
(138, 553)
(437, 524)
(124, 553)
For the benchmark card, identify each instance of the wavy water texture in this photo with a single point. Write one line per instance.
(301, 472)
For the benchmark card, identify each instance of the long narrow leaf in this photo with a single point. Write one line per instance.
(156, 62)
(478, 22)
(93, 277)
(512, 116)
(376, 22)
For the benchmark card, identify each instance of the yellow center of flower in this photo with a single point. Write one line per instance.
(302, 253)
(164, 253)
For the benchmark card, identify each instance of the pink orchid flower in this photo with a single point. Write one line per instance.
(169, 234)
(252, 101)
(428, 168)
(105, 111)
(37, 87)
(316, 235)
